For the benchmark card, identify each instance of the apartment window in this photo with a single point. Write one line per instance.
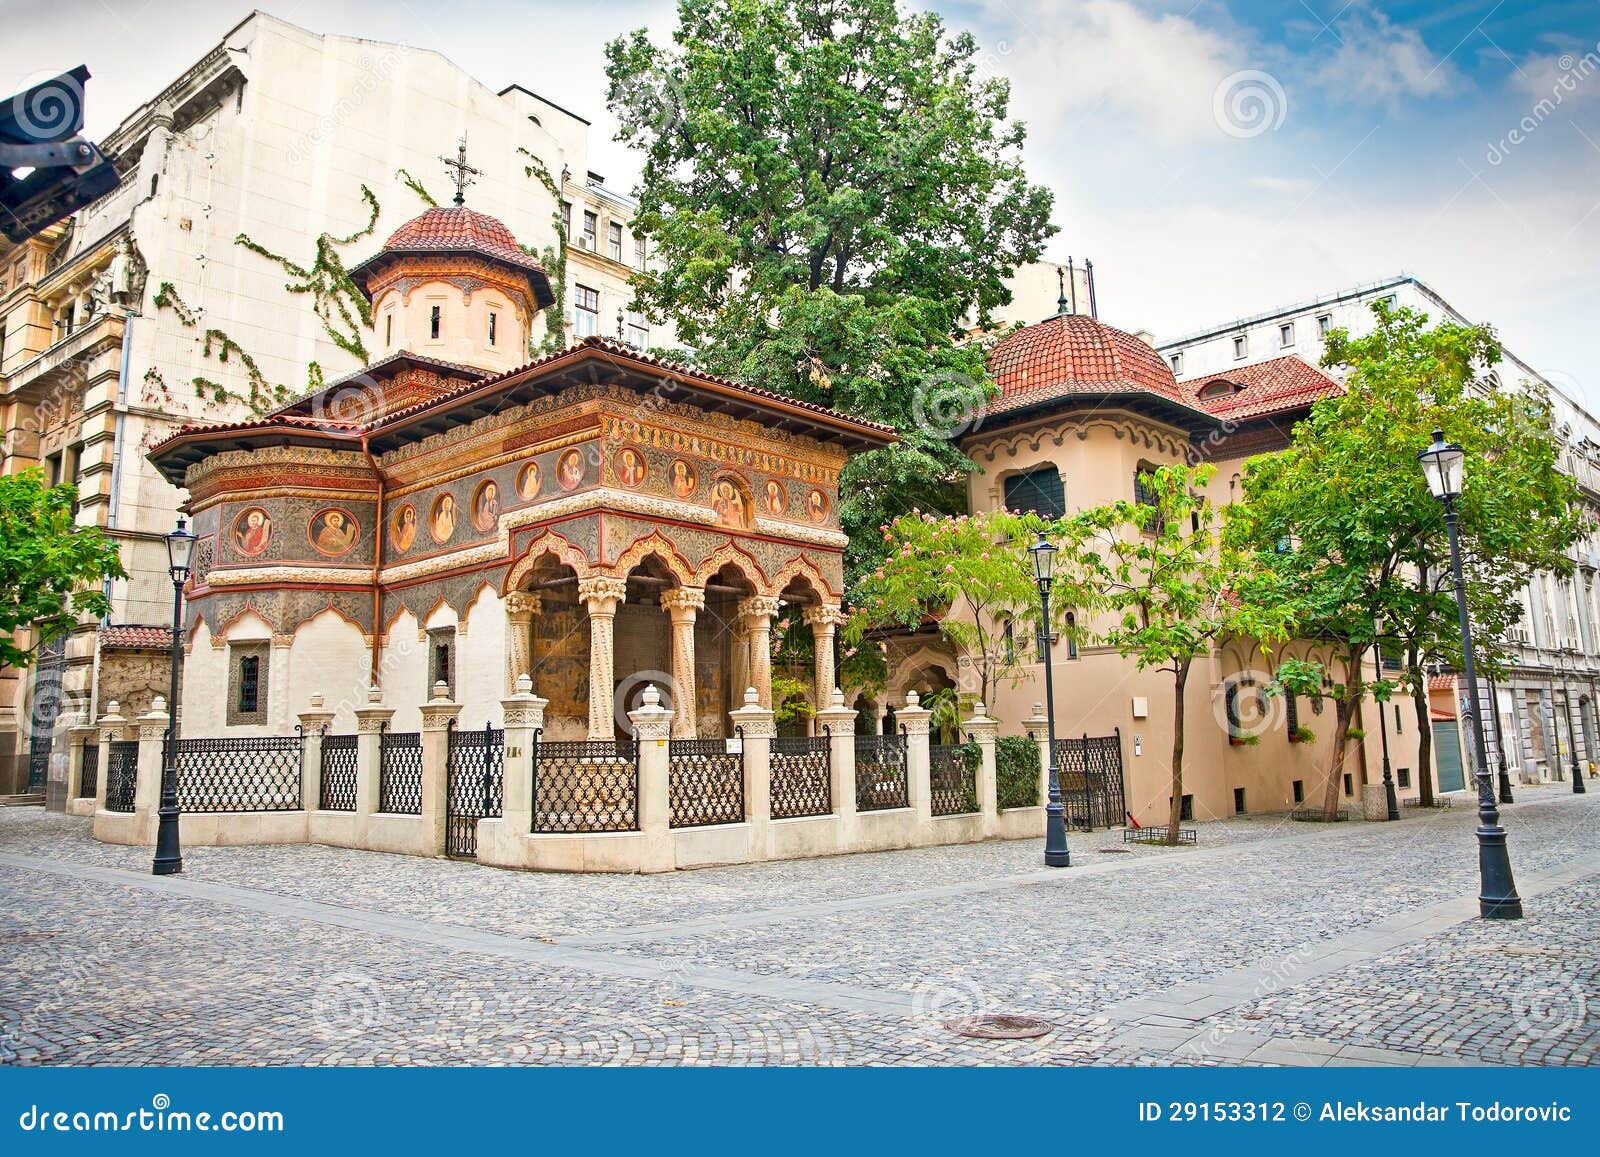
(442, 658)
(1008, 639)
(1398, 728)
(494, 320)
(1299, 791)
(1238, 801)
(1186, 808)
(1349, 785)
(434, 318)
(614, 240)
(1241, 347)
(1324, 324)
(1402, 777)
(591, 229)
(1038, 490)
(1291, 714)
(638, 331)
(638, 251)
(1177, 363)
(247, 683)
(1072, 635)
(586, 311)
(1286, 334)
(74, 459)
(1145, 494)
(566, 219)
(52, 470)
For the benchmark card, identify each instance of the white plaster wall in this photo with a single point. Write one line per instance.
(204, 685)
(329, 658)
(481, 661)
(403, 671)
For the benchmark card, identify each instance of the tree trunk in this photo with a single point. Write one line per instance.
(1175, 812)
(1419, 699)
(1344, 713)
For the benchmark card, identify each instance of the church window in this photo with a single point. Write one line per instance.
(434, 317)
(586, 311)
(442, 657)
(388, 329)
(494, 318)
(614, 240)
(1038, 490)
(247, 684)
(1218, 389)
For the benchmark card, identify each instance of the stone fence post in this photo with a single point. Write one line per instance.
(523, 715)
(313, 721)
(1038, 726)
(111, 725)
(754, 726)
(370, 723)
(153, 726)
(914, 718)
(652, 723)
(79, 732)
(838, 722)
(984, 732)
(438, 715)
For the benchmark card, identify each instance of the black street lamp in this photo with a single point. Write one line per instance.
(1056, 854)
(1443, 464)
(1389, 796)
(1572, 731)
(169, 856)
(1499, 742)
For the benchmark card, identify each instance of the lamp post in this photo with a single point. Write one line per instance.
(1389, 797)
(1443, 465)
(1499, 743)
(169, 856)
(1572, 732)
(1056, 854)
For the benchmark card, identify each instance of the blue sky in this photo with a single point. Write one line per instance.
(1214, 159)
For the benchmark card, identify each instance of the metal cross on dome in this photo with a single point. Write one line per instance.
(463, 172)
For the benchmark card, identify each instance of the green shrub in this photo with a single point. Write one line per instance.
(1016, 766)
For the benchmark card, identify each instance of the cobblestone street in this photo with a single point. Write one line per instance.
(1271, 943)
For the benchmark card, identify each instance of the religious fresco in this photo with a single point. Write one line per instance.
(817, 506)
(630, 468)
(333, 532)
(683, 478)
(570, 470)
(528, 481)
(442, 522)
(730, 502)
(403, 530)
(774, 500)
(486, 507)
(252, 531)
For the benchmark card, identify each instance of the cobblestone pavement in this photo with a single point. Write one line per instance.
(1272, 943)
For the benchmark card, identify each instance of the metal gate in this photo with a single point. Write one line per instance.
(39, 761)
(1447, 755)
(475, 786)
(1091, 780)
(45, 707)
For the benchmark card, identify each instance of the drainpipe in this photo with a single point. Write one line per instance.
(377, 563)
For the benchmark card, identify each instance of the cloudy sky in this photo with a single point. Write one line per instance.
(1214, 159)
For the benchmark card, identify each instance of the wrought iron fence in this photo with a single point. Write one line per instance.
(802, 774)
(400, 772)
(475, 783)
(239, 774)
(1090, 768)
(122, 773)
(953, 778)
(705, 784)
(39, 747)
(89, 778)
(338, 791)
(881, 772)
(585, 785)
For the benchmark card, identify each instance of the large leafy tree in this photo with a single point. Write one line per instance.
(1345, 524)
(831, 187)
(1174, 589)
(51, 570)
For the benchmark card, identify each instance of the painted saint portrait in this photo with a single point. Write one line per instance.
(817, 506)
(442, 523)
(252, 531)
(569, 471)
(683, 478)
(486, 507)
(773, 499)
(404, 532)
(528, 480)
(730, 505)
(333, 533)
(630, 467)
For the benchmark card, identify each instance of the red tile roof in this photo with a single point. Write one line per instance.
(455, 228)
(128, 636)
(1263, 388)
(1071, 355)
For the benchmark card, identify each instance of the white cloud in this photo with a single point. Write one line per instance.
(1378, 62)
(1564, 78)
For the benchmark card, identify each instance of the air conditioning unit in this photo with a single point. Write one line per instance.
(585, 241)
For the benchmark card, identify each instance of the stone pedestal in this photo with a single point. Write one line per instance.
(438, 716)
(838, 722)
(1038, 725)
(753, 725)
(523, 715)
(371, 721)
(313, 722)
(652, 723)
(1374, 802)
(915, 719)
(984, 732)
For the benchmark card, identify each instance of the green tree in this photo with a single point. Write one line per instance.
(1175, 589)
(1344, 523)
(830, 189)
(51, 570)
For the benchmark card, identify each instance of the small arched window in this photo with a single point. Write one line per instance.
(1072, 635)
(249, 683)
(1038, 490)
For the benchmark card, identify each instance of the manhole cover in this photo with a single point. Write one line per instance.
(998, 1026)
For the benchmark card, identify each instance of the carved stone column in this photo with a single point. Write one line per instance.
(601, 597)
(757, 614)
(824, 620)
(521, 606)
(682, 604)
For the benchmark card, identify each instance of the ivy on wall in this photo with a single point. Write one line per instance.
(416, 187)
(263, 395)
(554, 260)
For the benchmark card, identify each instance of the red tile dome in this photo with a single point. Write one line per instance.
(457, 229)
(1071, 354)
